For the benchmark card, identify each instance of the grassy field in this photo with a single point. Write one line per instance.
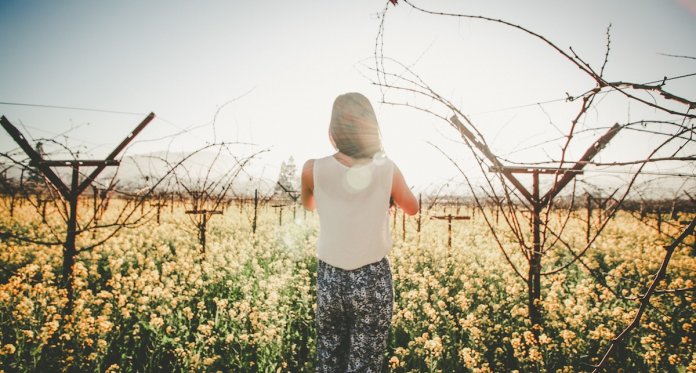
(148, 300)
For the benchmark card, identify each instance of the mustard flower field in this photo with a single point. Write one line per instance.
(148, 300)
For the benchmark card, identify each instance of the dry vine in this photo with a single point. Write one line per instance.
(506, 191)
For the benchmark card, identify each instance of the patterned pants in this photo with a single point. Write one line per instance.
(354, 310)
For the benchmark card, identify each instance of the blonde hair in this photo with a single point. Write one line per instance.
(353, 128)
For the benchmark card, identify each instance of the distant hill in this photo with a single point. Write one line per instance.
(194, 170)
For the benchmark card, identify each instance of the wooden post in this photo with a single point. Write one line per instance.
(43, 211)
(280, 213)
(159, 206)
(589, 218)
(449, 231)
(202, 229)
(256, 207)
(95, 210)
(449, 218)
(403, 226)
(659, 220)
(94, 202)
(420, 208)
(21, 188)
(642, 210)
(12, 203)
(69, 250)
(674, 214)
(535, 263)
(13, 197)
(203, 224)
(42, 205)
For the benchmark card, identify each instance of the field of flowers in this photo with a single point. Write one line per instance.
(149, 301)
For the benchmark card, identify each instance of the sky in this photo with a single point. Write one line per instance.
(266, 73)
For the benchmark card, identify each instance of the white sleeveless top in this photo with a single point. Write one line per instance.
(353, 207)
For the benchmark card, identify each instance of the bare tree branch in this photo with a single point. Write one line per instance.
(645, 299)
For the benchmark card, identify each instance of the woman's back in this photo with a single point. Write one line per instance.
(353, 207)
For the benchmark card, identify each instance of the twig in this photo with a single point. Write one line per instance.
(645, 299)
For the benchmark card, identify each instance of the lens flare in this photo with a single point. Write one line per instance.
(358, 178)
(379, 158)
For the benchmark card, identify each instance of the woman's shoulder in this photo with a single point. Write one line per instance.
(308, 173)
(308, 165)
(319, 159)
(311, 164)
(385, 161)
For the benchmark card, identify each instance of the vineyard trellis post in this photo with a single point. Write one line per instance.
(73, 192)
(534, 273)
(403, 226)
(537, 202)
(420, 210)
(294, 196)
(601, 212)
(42, 202)
(659, 220)
(589, 218)
(100, 200)
(674, 213)
(449, 218)
(256, 207)
(203, 224)
(159, 205)
(95, 206)
(13, 192)
(279, 207)
(206, 189)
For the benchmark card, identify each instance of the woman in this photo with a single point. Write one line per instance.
(351, 190)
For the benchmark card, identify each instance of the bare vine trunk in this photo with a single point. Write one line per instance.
(69, 250)
(534, 276)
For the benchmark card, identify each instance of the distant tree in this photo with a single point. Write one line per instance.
(287, 180)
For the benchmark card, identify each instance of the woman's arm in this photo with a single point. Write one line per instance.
(402, 195)
(307, 188)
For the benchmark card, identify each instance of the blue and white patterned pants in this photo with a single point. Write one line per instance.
(354, 311)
